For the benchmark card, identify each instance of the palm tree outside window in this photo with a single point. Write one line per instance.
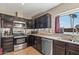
(72, 19)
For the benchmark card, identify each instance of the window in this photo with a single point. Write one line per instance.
(69, 23)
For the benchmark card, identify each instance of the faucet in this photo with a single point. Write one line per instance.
(77, 28)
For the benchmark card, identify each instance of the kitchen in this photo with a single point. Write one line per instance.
(52, 29)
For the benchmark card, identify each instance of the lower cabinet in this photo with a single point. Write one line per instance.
(58, 48)
(64, 48)
(35, 41)
(38, 43)
(72, 49)
(7, 44)
(30, 40)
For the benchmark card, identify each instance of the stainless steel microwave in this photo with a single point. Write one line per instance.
(19, 24)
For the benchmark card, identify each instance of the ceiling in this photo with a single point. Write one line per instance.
(27, 10)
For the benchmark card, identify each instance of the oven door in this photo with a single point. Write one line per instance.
(19, 41)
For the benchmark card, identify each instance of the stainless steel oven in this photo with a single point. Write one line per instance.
(19, 40)
(20, 43)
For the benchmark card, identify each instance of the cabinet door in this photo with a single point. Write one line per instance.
(39, 45)
(30, 24)
(72, 49)
(37, 23)
(7, 21)
(47, 21)
(72, 52)
(7, 24)
(30, 40)
(44, 21)
(35, 43)
(7, 44)
(58, 48)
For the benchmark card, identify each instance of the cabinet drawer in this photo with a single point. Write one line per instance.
(74, 47)
(71, 46)
(59, 50)
(59, 43)
(8, 50)
(6, 44)
(7, 39)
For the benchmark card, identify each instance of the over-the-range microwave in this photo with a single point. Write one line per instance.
(19, 24)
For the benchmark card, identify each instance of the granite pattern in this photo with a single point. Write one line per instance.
(60, 37)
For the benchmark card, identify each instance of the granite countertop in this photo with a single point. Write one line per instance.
(20, 36)
(7, 36)
(59, 37)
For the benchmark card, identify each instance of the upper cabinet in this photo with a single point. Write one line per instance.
(7, 21)
(29, 24)
(37, 23)
(43, 21)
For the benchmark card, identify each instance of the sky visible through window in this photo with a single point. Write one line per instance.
(65, 21)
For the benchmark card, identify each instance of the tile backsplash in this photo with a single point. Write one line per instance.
(44, 30)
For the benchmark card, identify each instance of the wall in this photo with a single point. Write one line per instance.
(5, 10)
(60, 9)
(11, 9)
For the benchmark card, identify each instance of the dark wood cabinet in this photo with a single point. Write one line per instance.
(43, 21)
(7, 21)
(58, 48)
(7, 44)
(72, 52)
(72, 49)
(7, 24)
(38, 43)
(37, 23)
(35, 41)
(64, 48)
(30, 40)
(30, 24)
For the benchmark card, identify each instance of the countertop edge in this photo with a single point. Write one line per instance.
(53, 38)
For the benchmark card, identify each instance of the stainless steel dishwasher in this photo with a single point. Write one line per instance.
(47, 46)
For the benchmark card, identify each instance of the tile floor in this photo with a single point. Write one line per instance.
(26, 51)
